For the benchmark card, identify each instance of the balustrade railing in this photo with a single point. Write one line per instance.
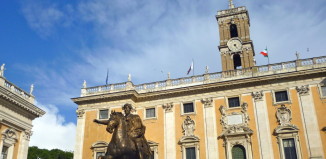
(289, 66)
(14, 89)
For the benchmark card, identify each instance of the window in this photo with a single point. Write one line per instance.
(98, 154)
(238, 152)
(4, 152)
(104, 114)
(289, 149)
(190, 153)
(234, 102)
(323, 91)
(281, 96)
(237, 61)
(233, 30)
(188, 108)
(150, 113)
(99, 149)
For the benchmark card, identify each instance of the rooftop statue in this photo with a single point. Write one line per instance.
(128, 140)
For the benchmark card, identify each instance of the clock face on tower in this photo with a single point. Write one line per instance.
(235, 45)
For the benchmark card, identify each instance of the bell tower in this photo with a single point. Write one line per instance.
(236, 47)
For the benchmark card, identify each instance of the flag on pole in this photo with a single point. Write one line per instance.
(191, 67)
(107, 77)
(264, 52)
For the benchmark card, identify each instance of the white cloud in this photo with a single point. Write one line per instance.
(45, 18)
(49, 131)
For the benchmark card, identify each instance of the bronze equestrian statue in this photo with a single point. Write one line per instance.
(128, 140)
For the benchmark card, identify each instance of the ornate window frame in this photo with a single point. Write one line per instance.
(154, 147)
(99, 146)
(9, 139)
(188, 142)
(155, 111)
(227, 102)
(286, 130)
(236, 134)
(194, 105)
(289, 101)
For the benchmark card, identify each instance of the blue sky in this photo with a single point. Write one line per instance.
(55, 45)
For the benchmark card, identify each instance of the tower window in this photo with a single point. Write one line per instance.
(237, 61)
(233, 30)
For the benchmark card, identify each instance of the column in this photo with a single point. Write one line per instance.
(78, 153)
(263, 127)
(210, 129)
(24, 143)
(308, 113)
(169, 132)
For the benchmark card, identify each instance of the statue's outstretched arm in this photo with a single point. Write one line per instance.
(104, 122)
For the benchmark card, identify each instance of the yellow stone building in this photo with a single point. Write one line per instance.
(17, 111)
(244, 112)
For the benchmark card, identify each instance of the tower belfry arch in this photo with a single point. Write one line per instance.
(236, 47)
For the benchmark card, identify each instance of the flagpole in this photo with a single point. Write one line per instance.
(107, 77)
(267, 55)
(193, 69)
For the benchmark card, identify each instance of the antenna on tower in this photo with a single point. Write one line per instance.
(231, 5)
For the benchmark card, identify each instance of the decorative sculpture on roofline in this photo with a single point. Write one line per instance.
(128, 136)
(2, 70)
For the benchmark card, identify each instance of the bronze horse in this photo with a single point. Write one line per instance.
(120, 146)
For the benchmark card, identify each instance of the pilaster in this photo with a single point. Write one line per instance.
(24, 142)
(78, 153)
(210, 129)
(308, 112)
(263, 127)
(169, 131)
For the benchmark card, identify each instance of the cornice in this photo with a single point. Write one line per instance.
(202, 88)
(20, 102)
(131, 94)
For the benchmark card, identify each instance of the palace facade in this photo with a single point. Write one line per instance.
(17, 111)
(274, 111)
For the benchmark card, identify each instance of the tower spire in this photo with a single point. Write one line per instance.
(231, 5)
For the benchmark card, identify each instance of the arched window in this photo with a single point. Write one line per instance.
(233, 30)
(238, 152)
(236, 61)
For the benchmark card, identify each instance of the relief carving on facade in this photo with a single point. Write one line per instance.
(236, 130)
(207, 102)
(168, 107)
(28, 134)
(236, 121)
(10, 136)
(80, 113)
(223, 118)
(284, 115)
(244, 110)
(188, 126)
(303, 90)
(258, 96)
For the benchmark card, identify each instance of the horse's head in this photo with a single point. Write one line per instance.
(114, 121)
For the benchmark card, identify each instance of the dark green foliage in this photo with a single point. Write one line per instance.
(35, 153)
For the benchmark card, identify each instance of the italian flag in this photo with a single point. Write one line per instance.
(264, 52)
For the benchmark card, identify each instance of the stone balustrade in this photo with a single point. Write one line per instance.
(290, 66)
(16, 90)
